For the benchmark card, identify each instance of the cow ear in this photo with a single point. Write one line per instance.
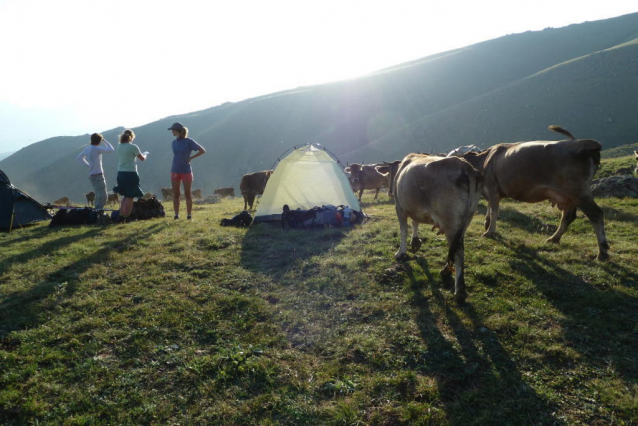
(382, 169)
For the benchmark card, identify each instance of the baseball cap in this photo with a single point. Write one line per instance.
(176, 126)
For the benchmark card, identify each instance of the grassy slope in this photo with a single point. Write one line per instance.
(173, 322)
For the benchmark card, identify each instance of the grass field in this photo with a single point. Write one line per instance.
(175, 322)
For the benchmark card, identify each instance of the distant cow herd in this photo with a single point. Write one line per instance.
(444, 189)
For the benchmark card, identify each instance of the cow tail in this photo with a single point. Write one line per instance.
(560, 130)
(472, 193)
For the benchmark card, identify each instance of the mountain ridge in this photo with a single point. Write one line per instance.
(582, 77)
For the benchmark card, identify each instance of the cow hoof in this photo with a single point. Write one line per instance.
(446, 272)
(400, 256)
(602, 256)
(460, 297)
(488, 234)
(415, 245)
(553, 240)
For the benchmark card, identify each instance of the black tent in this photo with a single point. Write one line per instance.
(17, 208)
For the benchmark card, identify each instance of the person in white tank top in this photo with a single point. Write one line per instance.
(91, 156)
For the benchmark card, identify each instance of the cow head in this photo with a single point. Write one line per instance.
(354, 174)
(391, 169)
(476, 159)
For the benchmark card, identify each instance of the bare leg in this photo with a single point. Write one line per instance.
(176, 195)
(189, 197)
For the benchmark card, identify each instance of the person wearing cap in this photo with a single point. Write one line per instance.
(128, 181)
(181, 170)
(91, 156)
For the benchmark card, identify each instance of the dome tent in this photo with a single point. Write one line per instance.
(17, 208)
(307, 177)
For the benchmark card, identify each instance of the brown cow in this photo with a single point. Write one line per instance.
(64, 201)
(253, 184)
(196, 193)
(559, 171)
(225, 192)
(112, 198)
(90, 198)
(366, 176)
(167, 193)
(443, 192)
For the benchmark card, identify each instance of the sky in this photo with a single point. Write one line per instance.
(71, 67)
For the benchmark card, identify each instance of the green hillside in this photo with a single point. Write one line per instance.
(583, 77)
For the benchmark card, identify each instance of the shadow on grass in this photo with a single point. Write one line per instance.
(21, 309)
(272, 250)
(476, 370)
(599, 322)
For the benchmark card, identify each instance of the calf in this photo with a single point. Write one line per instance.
(112, 198)
(253, 184)
(90, 198)
(64, 201)
(366, 176)
(443, 192)
(225, 192)
(167, 193)
(559, 171)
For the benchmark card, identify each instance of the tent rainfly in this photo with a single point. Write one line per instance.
(17, 208)
(305, 178)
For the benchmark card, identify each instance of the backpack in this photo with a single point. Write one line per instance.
(85, 216)
(242, 219)
(147, 209)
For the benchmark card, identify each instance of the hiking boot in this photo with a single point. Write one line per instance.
(189, 217)
(176, 217)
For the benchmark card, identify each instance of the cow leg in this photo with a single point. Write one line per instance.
(376, 194)
(568, 216)
(245, 201)
(403, 226)
(595, 216)
(492, 213)
(456, 257)
(415, 244)
(360, 193)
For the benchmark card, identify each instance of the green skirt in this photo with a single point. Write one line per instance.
(128, 185)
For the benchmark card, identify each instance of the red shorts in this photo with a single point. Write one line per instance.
(184, 177)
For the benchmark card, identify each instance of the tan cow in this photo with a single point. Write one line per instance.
(559, 171)
(636, 169)
(253, 184)
(90, 198)
(112, 198)
(64, 201)
(442, 191)
(148, 196)
(225, 192)
(167, 193)
(366, 176)
(196, 193)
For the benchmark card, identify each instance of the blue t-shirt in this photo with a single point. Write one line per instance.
(182, 149)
